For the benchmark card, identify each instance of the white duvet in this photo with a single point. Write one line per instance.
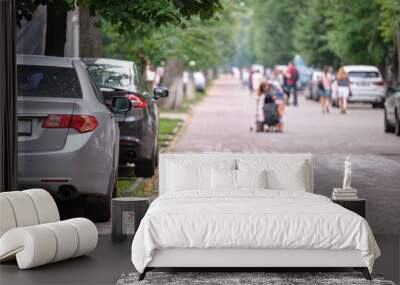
(250, 219)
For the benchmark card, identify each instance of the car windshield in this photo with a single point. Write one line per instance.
(363, 74)
(111, 76)
(48, 81)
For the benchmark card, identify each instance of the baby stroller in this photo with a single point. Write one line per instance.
(271, 114)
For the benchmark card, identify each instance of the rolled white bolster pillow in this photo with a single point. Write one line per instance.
(67, 240)
(32, 246)
(87, 235)
(37, 245)
(45, 206)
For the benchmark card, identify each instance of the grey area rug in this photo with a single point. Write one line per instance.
(269, 278)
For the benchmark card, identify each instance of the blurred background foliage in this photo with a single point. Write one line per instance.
(209, 42)
(219, 32)
(325, 32)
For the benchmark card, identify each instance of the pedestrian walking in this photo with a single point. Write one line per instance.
(292, 76)
(325, 89)
(343, 89)
(277, 83)
(256, 80)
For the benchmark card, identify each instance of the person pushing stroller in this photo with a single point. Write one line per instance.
(272, 109)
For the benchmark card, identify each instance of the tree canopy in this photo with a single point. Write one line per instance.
(326, 32)
(129, 14)
(207, 42)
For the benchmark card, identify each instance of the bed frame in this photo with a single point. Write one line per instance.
(246, 258)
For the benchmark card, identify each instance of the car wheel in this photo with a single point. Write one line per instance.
(157, 157)
(375, 105)
(388, 127)
(146, 167)
(98, 207)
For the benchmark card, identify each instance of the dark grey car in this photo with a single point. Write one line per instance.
(139, 126)
(67, 137)
(392, 111)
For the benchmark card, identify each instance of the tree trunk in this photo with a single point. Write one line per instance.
(90, 40)
(56, 27)
(8, 110)
(190, 91)
(173, 80)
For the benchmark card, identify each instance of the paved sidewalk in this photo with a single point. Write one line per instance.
(222, 121)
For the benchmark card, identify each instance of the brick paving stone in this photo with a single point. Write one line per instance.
(222, 121)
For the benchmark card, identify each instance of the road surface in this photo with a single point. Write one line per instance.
(222, 121)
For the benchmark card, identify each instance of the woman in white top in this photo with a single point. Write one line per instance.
(343, 89)
(325, 89)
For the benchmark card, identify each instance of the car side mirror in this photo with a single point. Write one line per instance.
(120, 104)
(160, 92)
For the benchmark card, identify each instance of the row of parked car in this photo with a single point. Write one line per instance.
(367, 86)
(78, 121)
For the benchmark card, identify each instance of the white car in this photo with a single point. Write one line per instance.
(367, 85)
(199, 81)
(311, 90)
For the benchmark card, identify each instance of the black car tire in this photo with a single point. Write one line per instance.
(157, 157)
(375, 105)
(98, 207)
(146, 167)
(388, 127)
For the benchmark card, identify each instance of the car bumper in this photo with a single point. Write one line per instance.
(137, 140)
(133, 150)
(78, 167)
(367, 97)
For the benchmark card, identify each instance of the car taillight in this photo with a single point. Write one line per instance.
(81, 123)
(379, 83)
(137, 102)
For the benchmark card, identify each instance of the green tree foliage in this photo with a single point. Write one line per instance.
(390, 30)
(273, 23)
(354, 35)
(208, 42)
(390, 18)
(327, 32)
(126, 15)
(129, 14)
(310, 34)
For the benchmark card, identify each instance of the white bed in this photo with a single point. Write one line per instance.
(247, 210)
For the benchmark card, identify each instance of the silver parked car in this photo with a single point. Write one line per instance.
(392, 111)
(67, 137)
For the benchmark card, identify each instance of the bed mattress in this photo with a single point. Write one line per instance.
(251, 219)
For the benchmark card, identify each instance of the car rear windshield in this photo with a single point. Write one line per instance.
(364, 74)
(48, 81)
(111, 76)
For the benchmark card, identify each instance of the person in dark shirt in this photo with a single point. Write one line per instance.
(270, 108)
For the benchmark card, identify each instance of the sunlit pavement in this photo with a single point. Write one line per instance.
(222, 123)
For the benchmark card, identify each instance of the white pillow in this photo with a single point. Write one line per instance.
(292, 179)
(251, 178)
(188, 177)
(187, 174)
(223, 179)
(281, 174)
